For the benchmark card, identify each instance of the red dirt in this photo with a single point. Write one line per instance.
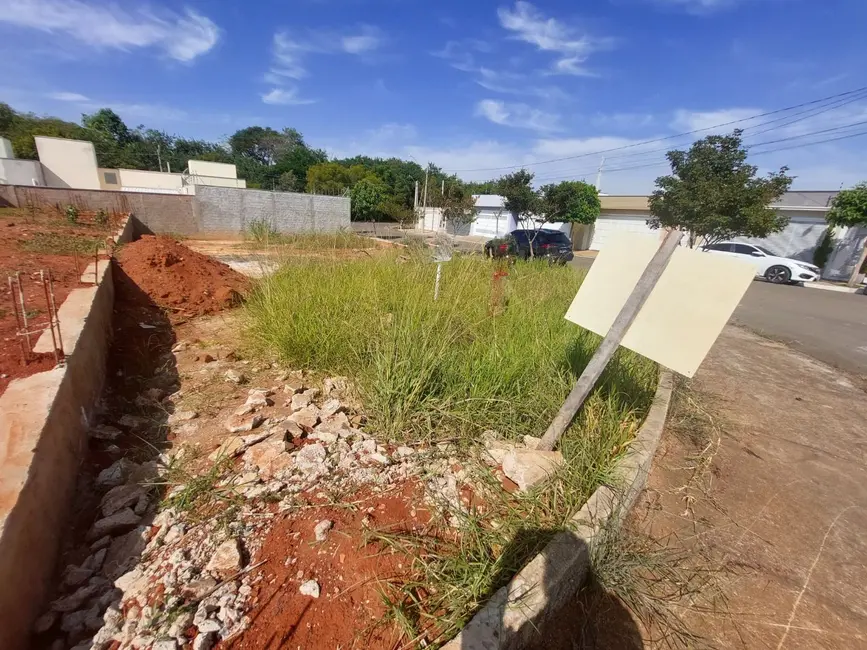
(16, 227)
(349, 612)
(179, 279)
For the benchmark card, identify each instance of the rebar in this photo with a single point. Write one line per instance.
(50, 316)
(17, 319)
(54, 309)
(23, 312)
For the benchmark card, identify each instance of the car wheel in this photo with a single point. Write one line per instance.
(778, 275)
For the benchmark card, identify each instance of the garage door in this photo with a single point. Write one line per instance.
(606, 225)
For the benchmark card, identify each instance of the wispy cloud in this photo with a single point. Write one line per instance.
(573, 45)
(291, 50)
(68, 97)
(698, 6)
(181, 36)
(285, 97)
(517, 115)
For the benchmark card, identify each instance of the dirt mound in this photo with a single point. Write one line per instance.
(179, 279)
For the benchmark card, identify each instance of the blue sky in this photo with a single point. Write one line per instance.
(470, 85)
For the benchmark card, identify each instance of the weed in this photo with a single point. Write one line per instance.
(199, 493)
(262, 232)
(51, 243)
(71, 213)
(101, 217)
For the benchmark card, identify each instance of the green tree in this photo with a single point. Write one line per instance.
(366, 198)
(398, 212)
(520, 197)
(849, 209)
(458, 206)
(714, 194)
(569, 202)
(106, 121)
(328, 178)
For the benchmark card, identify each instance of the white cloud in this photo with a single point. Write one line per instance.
(686, 120)
(182, 37)
(290, 50)
(517, 115)
(528, 24)
(68, 97)
(285, 97)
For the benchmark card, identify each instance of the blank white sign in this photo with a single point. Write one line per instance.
(685, 312)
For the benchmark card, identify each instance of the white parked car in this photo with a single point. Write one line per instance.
(779, 270)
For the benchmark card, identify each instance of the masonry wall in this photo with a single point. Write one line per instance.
(229, 210)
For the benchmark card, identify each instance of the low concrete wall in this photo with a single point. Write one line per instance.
(43, 435)
(517, 615)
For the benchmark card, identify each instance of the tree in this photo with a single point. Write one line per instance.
(327, 178)
(398, 212)
(109, 123)
(826, 246)
(715, 195)
(849, 209)
(366, 198)
(458, 206)
(520, 197)
(569, 202)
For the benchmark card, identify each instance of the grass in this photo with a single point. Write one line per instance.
(489, 354)
(262, 234)
(49, 243)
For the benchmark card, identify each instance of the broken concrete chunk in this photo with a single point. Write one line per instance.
(119, 522)
(75, 600)
(320, 531)
(528, 467)
(334, 383)
(124, 552)
(311, 455)
(105, 432)
(294, 385)
(259, 397)
(324, 436)
(403, 452)
(310, 588)
(75, 575)
(226, 560)
(181, 416)
(532, 442)
(236, 424)
(235, 377)
(330, 407)
(198, 589)
(300, 401)
(119, 497)
(306, 418)
(205, 641)
(115, 474)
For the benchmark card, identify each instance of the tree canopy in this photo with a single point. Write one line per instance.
(849, 207)
(520, 197)
(714, 194)
(569, 202)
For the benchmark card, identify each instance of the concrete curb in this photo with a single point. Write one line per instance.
(834, 287)
(514, 616)
(44, 420)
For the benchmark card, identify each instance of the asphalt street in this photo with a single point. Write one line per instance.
(827, 325)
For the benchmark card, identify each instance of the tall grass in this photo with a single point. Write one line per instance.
(483, 356)
(262, 234)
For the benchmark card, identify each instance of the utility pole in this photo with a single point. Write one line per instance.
(424, 200)
(159, 158)
(599, 175)
(415, 200)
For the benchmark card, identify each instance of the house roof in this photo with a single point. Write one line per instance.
(807, 199)
(489, 200)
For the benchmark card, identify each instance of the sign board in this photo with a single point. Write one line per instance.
(685, 312)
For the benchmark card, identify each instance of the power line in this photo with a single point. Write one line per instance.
(663, 139)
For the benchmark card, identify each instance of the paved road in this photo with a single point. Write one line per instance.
(827, 325)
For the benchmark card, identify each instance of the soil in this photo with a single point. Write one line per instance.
(180, 280)
(17, 227)
(350, 612)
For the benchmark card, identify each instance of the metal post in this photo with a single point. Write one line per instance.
(24, 351)
(50, 316)
(23, 312)
(424, 201)
(54, 309)
(437, 284)
(612, 340)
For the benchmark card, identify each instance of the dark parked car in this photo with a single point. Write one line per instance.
(550, 244)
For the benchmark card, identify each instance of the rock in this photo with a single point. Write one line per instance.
(269, 458)
(382, 459)
(182, 622)
(199, 588)
(180, 346)
(75, 623)
(528, 467)
(301, 400)
(205, 641)
(236, 424)
(235, 377)
(94, 562)
(403, 452)
(132, 582)
(120, 521)
(226, 560)
(311, 455)
(165, 644)
(115, 474)
(330, 407)
(306, 418)
(45, 622)
(331, 384)
(102, 542)
(181, 416)
(143, 473)
(291, 431)
(496, 451)
(531, 442)
(207, 358)
(134, 422)
(76, 600)
(324, 436)
(335, 423)
(124, 552)
(120, 497)
(236, 446)
(310, 588)
(293, 386)
(259, 398)
(105, 432)
(321, 529)
(209, 626)
(244, 409)
(75, 575)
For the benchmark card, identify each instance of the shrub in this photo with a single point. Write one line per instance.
(826, 246)
(101, 217)
(262, 231)
(71, 213)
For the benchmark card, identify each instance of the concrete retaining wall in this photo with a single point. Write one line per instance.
(44, 422)
(517, 615)
(230, 210)
(210, 211)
